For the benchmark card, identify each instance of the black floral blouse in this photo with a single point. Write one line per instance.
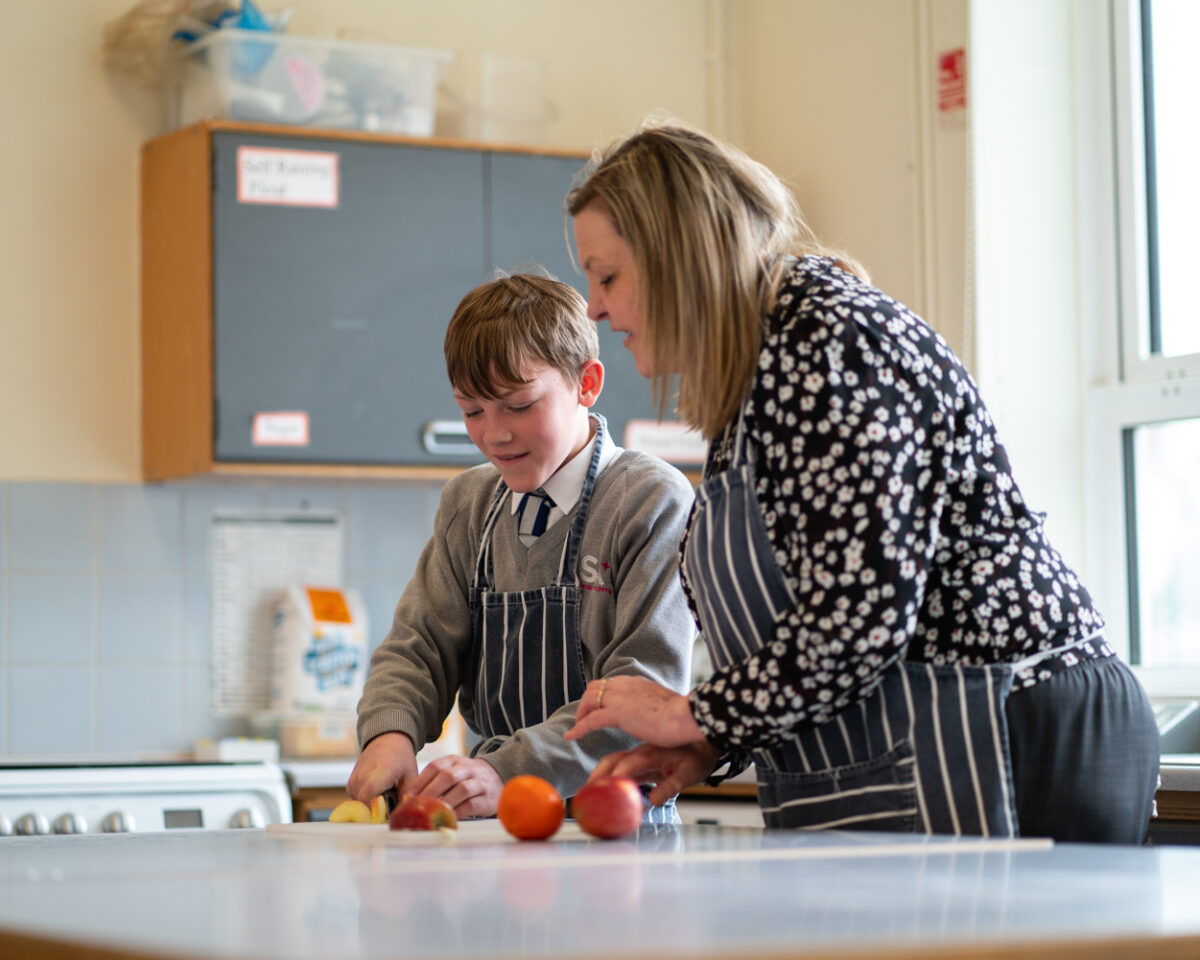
(893, 514)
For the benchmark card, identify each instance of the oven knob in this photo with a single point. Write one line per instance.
(118, 822)
(33, 825)
(246, 819)
(6, 827)
(70, 823)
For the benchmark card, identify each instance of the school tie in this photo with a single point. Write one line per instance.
(532, 513)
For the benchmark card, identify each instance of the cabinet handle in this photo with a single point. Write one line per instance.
(435, 432)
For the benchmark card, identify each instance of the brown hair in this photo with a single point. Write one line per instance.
(709, 230)
(503, 325)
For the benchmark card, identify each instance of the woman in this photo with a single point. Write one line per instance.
(896, 644)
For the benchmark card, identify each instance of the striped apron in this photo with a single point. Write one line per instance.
(527, 658)
(925, 751)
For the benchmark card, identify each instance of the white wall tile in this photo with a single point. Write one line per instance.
(197, 619)
(140, 709)
(387, 527)
(50, 618)
(140, 528)
(50, 526)
(140, 618)
(52, 710)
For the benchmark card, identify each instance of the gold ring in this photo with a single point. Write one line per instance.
(600, 695)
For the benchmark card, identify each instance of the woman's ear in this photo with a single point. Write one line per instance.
(591, 381)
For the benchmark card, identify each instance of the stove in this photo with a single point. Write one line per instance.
(90, 798)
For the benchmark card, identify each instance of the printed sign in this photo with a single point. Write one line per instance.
(293, 178)
(285, 429)
(952, 80)
(672, 441)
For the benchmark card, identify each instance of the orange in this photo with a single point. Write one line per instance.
(530, 808)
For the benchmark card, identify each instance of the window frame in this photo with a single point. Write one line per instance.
(1128, 387)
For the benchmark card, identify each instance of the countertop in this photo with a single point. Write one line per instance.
(1179, 771)
(707, 892)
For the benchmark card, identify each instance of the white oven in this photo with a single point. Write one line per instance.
(75, 798)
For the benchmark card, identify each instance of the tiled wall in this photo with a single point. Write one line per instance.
(105, 603)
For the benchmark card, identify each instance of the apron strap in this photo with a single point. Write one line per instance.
(1035, 658)
(569, 562)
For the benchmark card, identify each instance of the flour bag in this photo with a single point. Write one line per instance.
(319, 650)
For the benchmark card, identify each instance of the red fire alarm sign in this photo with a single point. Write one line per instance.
(952, 80)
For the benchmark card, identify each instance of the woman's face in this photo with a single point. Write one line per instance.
(613, 282)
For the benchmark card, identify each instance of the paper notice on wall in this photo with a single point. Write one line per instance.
(255, 555)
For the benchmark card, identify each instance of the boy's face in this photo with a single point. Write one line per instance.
(533, 428)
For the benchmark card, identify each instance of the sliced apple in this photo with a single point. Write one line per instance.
(379, 810)
(351, 811)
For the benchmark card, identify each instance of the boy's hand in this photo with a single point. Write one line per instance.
(387, 761)
(472, 787)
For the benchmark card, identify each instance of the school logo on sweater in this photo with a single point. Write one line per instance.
(594, 573)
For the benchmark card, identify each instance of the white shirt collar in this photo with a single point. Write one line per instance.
(566, 484)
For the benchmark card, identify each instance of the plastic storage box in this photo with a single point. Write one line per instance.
(274, 78)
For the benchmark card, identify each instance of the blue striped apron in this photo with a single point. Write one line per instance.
(527, 658)
(926, 751)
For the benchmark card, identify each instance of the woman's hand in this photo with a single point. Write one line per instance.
(670, 769)
(647, 710)
(387, 761)
(472, 787)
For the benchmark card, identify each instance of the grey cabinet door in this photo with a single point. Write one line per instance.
(338, 313)
(335, 315)
(527, 226)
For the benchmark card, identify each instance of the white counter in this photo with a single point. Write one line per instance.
(693, 891)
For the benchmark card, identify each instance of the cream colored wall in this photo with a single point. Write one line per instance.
(836, 97)
(831, 105)
(69, 379)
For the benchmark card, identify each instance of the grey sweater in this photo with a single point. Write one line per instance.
(633, 617)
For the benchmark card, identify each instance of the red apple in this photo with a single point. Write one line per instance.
(423, 813)
(608, 808)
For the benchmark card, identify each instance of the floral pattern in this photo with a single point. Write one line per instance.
(892, 511)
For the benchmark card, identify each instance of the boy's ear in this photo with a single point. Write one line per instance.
(591, 381)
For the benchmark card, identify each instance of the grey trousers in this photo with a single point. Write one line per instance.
(1085, 755)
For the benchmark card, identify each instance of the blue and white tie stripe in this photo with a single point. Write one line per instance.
(531, 523)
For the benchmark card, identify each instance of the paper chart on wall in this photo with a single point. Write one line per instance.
(255, 555)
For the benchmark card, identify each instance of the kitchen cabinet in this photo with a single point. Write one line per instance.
(297, 285)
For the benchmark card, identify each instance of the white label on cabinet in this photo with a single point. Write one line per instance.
(671, 441)
(287, 429)
(295, 178)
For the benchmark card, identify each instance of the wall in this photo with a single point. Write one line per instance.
(105, 596)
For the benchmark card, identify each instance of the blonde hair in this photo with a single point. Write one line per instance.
(709, 230)
(502, 326)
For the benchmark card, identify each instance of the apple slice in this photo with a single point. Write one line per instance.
(351, 811)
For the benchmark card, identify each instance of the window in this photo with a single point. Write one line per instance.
(1144, 406)
(1172, 143)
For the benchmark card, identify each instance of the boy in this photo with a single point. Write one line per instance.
(518, 602)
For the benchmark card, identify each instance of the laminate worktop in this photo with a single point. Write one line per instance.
(696, 891)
